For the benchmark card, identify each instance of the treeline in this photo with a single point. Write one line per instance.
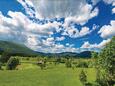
(104, 63)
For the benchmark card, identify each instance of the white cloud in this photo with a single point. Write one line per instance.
(113, 3)
(32, 40)
(61, 48)
(60, 38)
(103, 43)
(107, 30)
(27, 4)
(49, 42)
(75, 33)
(109, 1)
(57, 8)
(77, 11)
(88, 46)
(84, 15)
(84, 31)
(113, 10)
(18, 28)
(49, 46)
(95, 1)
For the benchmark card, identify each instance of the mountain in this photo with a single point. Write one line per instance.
(16, 49)
(22, 50)
(84, 54)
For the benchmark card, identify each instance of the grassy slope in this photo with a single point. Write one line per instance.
(16, 48)
(31, 75)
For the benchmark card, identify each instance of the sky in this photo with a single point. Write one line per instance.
(55, 26)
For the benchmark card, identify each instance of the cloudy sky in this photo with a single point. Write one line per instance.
(56, 26)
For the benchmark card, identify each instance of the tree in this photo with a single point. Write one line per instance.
(68, 63)
(42, 63)
(5, 56)
(106, 62)
(0, 65)
(12, 63)
(94, 55)
(83, 77)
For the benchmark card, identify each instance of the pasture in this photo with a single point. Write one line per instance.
(30, 74)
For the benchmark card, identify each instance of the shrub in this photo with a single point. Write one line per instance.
(12, 63)
(27, 58)
(83, 77)
(106, 62)
(102, 82)
(42, 64)
(0, 66)
(58, 60)
(4, 57)
(82, 64)
(68, 63)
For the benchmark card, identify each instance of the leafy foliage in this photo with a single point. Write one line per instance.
(106, 62)
(5, 56)
(42, 63)
(94, 55)
(0, 65)
(68, 63)
(83, 77)
(82, 64)
(12, 63)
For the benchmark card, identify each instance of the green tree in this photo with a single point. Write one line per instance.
(42, 63)
(68, 63)
(12, 63)
(5, 56)
(83, 77)
(94, 55)
(106, 62)
(0, 65)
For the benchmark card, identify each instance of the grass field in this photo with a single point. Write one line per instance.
(31, 75)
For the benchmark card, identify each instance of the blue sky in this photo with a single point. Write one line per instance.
(58, 26)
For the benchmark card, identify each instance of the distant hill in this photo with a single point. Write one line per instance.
(85, 54)
(16, 49)
(22, 50)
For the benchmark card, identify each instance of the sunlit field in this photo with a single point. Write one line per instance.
(30, 74)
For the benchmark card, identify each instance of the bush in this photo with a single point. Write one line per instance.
(58, 60)
(68, 63)
(83, 77)
(102, 82)
(27, 58)
(12, 63)
(42, 64)
(106, 62)
(0, 66)
(82, 65)
(4, 58)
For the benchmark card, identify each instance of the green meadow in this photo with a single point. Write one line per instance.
(29, 74)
